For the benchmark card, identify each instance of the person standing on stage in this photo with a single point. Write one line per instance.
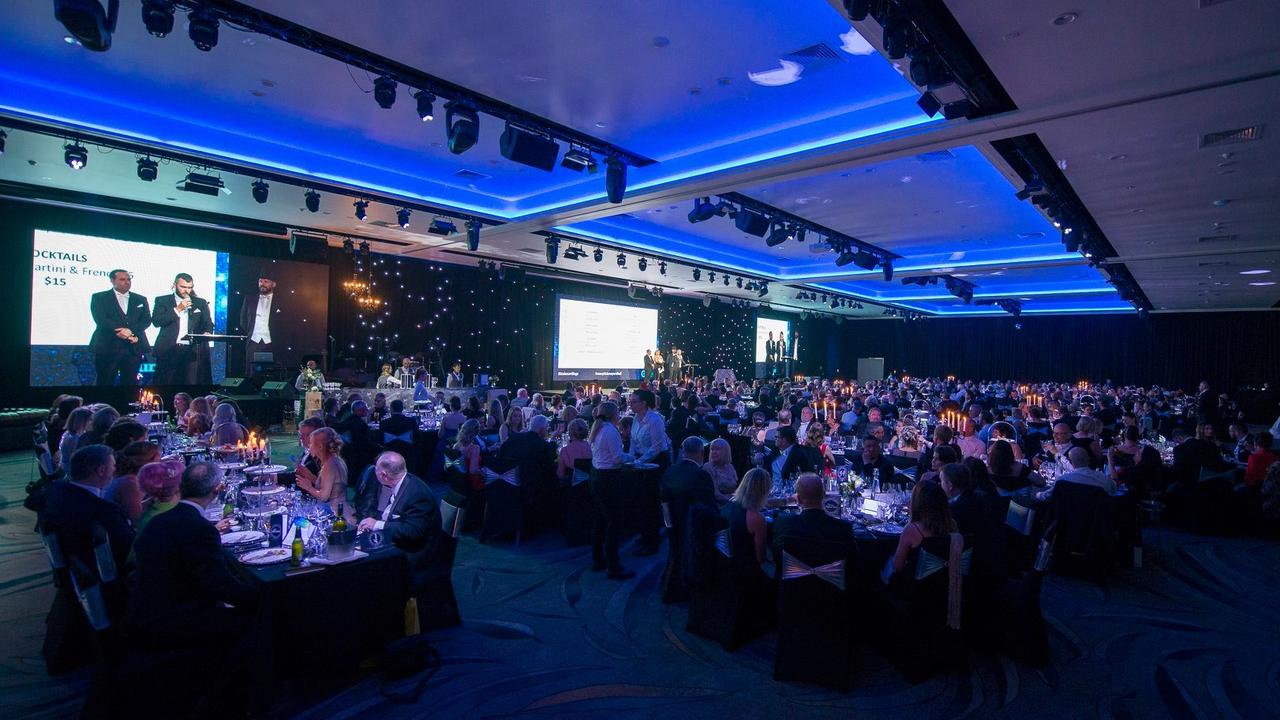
(659, 365)
(119, 339)
(770, 356)
(677, 364)
(648, 365)
(454, 379)
(178, 360)
(781, 354)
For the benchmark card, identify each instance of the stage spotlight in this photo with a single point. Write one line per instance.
(312, 200)
(823, 298)
(779, 235)
(384, 91)
(75, 156)
(752, 223)
(442, 227)
(402, 218)
(202, 28)
(364, 248)
(157, 16)
(865, 260)
(726, 280)
(579, 159)
(462, 125)
(598, 255)
(697, 275)
(886, 266)
(857, 10)
(574, 253)
(762, 290)
(426, 101)
(739, 283)
(473, 235)
(148, 169)
(362, 208)
(845, 257)
(1033, 186)
(349, 246)
(898, 37)
(553, 249)
(260, 191)
(615, 180)
(926, 68)
(643, 264)
(662, 267)
(702, 210)
(88, 23)
(958, 109)
(622, 260)
(1071, 240)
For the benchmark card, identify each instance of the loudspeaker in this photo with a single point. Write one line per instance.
(243, 386)
(277, 389)
(529, 148)
(752, 223)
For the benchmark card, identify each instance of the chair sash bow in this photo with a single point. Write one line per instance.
(957, 565)
(793, 568)
(723, 544)
(511, 477)
(580, 476)
(402, 437)
(454, 464)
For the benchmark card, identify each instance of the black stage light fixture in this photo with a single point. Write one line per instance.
(528, 148)
(473, 235)
(926, 68)
(579, 159)
(622, 260)
(574, 253)
(384, 92)
(702, 210)
(442, 227)
(857, 10)
(898, 38)
(157, 16)
(260, 191)
(662, 267)
(203, 184)
(739, 283)
(426, 105)
(762, 290)
(202, 28)
(929, 104)
(845, 257)
(697, 274)
(643, 264)
(462, 125)
(615, 180)
(362, 209)
(75, 155)
(402, 218)
(148, 169)
(726, 280)
(364, 248)
(711, 276)
(598, 255)
(553, 249)
(780, 234)
(88, 22)
(823, 298)
(752, 222)
(3, 135)
(958, 109)
(312, 200)
(1070, 239)
(1033, 186)
(947, 96)
(886, 266)
(349, 246)
(865, 260)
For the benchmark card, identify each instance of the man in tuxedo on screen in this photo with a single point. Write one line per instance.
(780, 354)
(119, 339)
(770, 356)
(256, 321)
(180, 361)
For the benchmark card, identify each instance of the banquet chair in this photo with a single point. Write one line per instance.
(723, 604)
(437, 603)
(1210, 503)
(1085, 530)
(1020, 536)
(1023, 635)
(402, 443)
(931, 592)
(576, 517)
(503, 501)
(814, 623)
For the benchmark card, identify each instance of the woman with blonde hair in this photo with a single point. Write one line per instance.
(514, 424)
(468, 449)
(815, 438)
(747, 527)
(330, 485)
(719, 466)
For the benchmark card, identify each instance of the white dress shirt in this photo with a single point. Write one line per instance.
(123, 300)
(780, 462)
(649, 437)
(183, 319)
(606, 449)
(262, 320)
(391, 503)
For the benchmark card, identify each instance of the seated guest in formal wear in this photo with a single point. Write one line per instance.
(625, 424)
(410, 521)
(930, 517)
(379, 411)
(719, 466)
(943, 436)
(396, 425)
(806, 418)
(468, 446)
(521, 399)
(513, 425)
(473, 411)
(124, 431)
(906, 442)
(73, 508)
(748, 530)
(76, 426)
(576, 449)
(968, 442)
(539, 404)
(815, 440)
(453, 419)
(1260, 460)
(159, 482)
(813, 523)
(530, 451)
(785, 459)
(1198, 453)
(871, 461)
(330, 484)
(198, 406)
(1009, 475)
(1082, 473)
(969, 506)
(189, 592)
(124, 490)
(226, 431)
(63, 407)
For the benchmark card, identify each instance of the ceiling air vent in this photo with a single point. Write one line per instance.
(936, 156)
(1218, 238)
(1214, 263)
(471, 175)
(1209, 3)
(1230, 137)
(531, 251)
(814, 56)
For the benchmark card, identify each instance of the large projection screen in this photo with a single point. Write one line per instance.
(602, 341)
(781, 329)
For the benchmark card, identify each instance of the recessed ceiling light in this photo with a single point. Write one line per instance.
(1066, 18)
(1264, 283)
(1121, 156)
(1137, 211)
(1221, 203)
(1260, 271)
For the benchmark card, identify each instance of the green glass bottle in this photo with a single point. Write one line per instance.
(295, 549)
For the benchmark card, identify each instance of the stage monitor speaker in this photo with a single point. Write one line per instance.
(237, 386)
(277, 389)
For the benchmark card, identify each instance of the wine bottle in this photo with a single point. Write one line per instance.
(340, 524)
(295, 549)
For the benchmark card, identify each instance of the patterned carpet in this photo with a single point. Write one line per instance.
(1194, 634)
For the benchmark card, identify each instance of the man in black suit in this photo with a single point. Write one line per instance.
(185, 579)
(397, 425)
(786, 458)
(770, 356)
(872, 460)
(535, 457)
(266, 334)
(74, 507)
(119, 339)
(410, 521)
(684, 485)
(178, 360)
(813, 522)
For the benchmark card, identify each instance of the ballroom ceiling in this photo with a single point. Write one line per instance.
(782, 103)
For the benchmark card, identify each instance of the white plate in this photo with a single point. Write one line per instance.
(268, 490)
(266, 556)
(233, 466)
(243, 537)
(265, 469)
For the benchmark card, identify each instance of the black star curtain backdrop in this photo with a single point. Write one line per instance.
(447, 313)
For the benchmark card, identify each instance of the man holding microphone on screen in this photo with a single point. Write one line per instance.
(179, 361)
